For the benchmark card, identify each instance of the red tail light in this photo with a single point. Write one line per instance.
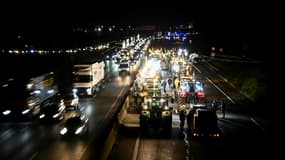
(201, 94)
(183, 94)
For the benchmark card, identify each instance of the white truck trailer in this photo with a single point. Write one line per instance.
(88, 78)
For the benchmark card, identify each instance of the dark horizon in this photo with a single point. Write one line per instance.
(235, 31)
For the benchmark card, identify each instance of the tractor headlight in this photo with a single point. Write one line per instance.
(145, 107)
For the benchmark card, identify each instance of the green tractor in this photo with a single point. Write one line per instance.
(156, 113)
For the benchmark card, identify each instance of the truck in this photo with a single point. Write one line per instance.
(24, 97)
(202, 122)
(88, 78)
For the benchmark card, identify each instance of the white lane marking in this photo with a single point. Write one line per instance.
(258, 125)
(228, 97)
(120, 94)
(213, 67)
(89, 142)
(136, 149)
(223, 78)
(197, 68)
(34, 156)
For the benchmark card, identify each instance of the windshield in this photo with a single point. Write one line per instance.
(124, 65)
(82, 78)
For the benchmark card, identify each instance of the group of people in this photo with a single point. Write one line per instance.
(183, 115)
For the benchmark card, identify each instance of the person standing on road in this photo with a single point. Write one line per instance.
(182, 116)
(223, 107)
(214, 106)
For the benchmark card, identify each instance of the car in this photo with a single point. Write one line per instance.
(71, 101)
(124, 66)
(52, 112)
(75, 126)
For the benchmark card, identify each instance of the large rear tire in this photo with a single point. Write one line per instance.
(168, 127)
(143, 126)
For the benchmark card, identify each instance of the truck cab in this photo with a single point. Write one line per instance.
(87, 78)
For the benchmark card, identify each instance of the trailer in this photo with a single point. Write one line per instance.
(202, 122)
(88, 78)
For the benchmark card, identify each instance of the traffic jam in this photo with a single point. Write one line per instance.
(166, 85)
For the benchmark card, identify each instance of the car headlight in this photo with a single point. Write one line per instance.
(74, 90)
(55, 115)
(88, 90)
(79, 130)
(7, 112)
(63, 131)
(73, 102)
(42, 116)
(26, 111)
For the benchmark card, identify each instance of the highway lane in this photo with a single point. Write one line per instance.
(35, 140)
(131, 145)
(98, 109)
(242, 137)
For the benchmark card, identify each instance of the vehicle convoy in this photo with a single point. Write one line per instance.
(87, 78)
(25, 98)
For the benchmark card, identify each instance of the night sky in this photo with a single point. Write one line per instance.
(232, 30)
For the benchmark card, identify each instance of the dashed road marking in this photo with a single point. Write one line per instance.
(136, 149)
(258, 125)
(228, 97)
(197, 69)
(34, 156)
